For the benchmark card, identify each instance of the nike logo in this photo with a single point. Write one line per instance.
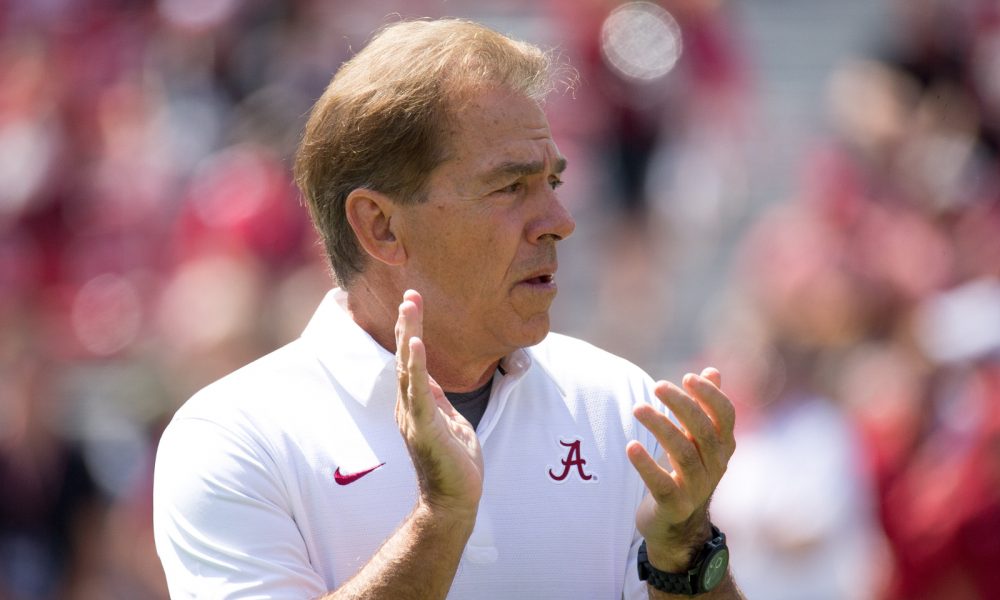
(345, 478)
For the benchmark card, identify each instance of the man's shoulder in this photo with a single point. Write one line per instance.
(282, 374)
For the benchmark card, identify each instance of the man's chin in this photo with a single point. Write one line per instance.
(535, 330)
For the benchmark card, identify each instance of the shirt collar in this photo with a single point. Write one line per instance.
(352, 356)
(358, 362)
(515, 364)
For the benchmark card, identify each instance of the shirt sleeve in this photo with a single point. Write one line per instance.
(222, 525)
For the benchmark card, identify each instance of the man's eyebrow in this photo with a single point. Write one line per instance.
(520, 169)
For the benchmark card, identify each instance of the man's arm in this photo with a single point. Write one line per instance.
(420, 559)
(673, 517)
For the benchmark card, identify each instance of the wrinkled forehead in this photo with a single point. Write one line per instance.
(497, 126)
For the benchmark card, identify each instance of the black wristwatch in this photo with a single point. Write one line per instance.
(707, 570)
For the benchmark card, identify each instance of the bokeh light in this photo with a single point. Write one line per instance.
(641, 40)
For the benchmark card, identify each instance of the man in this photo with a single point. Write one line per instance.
(339, 467)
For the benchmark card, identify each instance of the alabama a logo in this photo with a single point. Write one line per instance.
(572, 463)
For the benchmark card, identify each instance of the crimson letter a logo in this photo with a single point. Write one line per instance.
(573, 459)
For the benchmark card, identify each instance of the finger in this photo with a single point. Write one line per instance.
(713, 401)
(712, 374)
(415, 297)
(717, 449)
(421, 402)
(440, 399)
(413, 307)
(680, 451)
(659, 482)
(699, 427)
(403, 348)
(410, 315)
(410, 324)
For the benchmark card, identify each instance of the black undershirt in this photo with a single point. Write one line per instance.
(471, 405)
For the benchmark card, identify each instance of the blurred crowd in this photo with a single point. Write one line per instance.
(151, 241)
(863, 334)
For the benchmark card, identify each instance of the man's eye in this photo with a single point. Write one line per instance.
(555, 182)
(512, 188)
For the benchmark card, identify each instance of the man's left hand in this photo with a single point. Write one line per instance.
(673, 518)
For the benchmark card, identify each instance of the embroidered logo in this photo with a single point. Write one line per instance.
(573, 459)
(346, 478)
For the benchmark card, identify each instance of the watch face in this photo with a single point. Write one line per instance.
(714, 569)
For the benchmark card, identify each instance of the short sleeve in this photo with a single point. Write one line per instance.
(222, 524)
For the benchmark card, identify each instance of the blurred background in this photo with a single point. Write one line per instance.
(805, 194)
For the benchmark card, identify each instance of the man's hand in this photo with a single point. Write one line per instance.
(673, 517)
(442, 443)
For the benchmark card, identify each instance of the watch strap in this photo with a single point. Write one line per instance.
(686, 583)
(671, 583)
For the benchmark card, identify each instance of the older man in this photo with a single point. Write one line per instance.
(427, 436)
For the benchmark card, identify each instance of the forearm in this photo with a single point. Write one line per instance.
(418, 561)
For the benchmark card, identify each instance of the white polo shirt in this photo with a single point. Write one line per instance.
(283, 478)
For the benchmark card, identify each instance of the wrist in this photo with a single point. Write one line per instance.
(445, 515)
(677, 547)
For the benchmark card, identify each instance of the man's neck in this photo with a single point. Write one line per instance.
(472, 377)
(454, 370)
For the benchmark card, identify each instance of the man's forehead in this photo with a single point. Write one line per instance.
(498, 133)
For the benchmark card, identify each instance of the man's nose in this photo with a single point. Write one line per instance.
(555, 221)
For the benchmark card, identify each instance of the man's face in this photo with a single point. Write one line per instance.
(482, 248)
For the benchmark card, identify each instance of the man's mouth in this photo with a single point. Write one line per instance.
(541, 279)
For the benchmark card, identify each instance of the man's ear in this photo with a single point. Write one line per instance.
(370, 215)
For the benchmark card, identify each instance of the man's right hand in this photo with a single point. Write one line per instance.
(442, 444)
(420, 559)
